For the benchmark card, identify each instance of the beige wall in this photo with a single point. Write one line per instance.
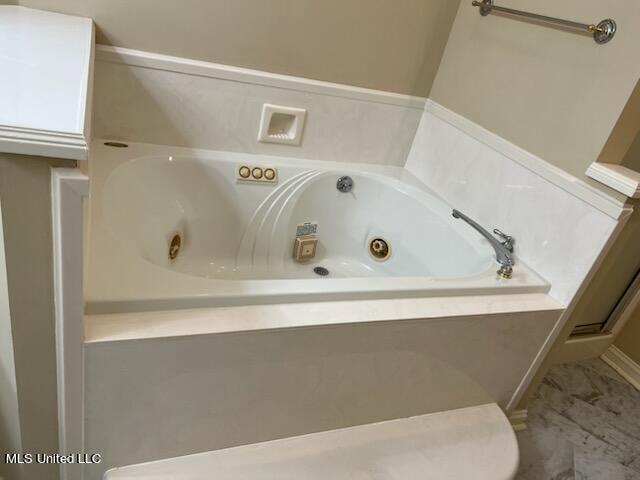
(556, 94)
(26, 217)
(387, 45)
(10, 440)
(623, 145)
(632, 159)
(629, 338)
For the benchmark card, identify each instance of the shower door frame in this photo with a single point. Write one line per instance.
(628, 304)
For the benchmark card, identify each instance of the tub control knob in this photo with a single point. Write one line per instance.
(256, 173)
(269, 173)
(244, 172)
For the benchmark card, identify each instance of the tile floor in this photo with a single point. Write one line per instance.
(584, 424)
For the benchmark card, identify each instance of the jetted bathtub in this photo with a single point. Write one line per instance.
(177, 228)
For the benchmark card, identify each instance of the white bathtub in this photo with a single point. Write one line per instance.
(237, 237)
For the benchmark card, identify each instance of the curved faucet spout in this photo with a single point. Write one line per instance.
(503, 249)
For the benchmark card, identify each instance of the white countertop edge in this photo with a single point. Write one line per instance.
(61, 130)
(43, 143)
(85, 113)
(171, 323)
(617, 177)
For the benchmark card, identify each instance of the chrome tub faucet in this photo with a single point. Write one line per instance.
(502, 246)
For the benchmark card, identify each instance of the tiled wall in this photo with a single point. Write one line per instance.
(559, 233)
(151, 105)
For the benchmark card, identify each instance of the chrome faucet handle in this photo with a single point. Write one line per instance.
(506, 240)
(503, 247)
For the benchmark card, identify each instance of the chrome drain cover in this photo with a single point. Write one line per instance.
(323, 272)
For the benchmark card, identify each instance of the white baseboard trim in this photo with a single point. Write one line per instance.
(537, 165)
(137, 58)
(623, 364)
(583, 348)
(518, 420)
(68, 187)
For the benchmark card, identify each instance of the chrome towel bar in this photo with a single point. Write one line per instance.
(602, 32)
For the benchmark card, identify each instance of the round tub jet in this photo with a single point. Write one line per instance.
(379, 249)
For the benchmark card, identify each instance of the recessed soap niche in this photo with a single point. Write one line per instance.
(280, 124)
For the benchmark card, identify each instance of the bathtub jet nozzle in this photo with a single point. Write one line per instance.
(379, 249)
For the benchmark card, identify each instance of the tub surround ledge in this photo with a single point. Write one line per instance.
(172, 323)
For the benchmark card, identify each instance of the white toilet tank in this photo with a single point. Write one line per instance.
(470, 443)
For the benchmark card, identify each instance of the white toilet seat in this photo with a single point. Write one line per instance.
(475, 442)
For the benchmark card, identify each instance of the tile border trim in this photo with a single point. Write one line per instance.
(623, 364)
